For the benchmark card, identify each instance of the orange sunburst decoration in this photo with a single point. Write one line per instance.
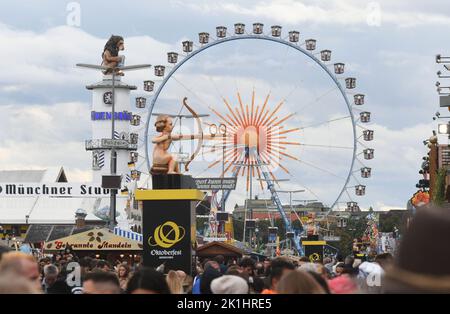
(254, 132)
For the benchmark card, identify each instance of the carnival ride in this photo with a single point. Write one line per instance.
(241, 150)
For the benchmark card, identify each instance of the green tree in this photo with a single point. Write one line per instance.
(439, 187)
(356, 225)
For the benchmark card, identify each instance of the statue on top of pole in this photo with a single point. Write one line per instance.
(111, 57)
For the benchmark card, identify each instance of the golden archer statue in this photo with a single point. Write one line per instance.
(163, 161)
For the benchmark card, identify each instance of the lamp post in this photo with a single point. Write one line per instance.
(113, 163)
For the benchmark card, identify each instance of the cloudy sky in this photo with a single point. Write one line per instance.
(389, 46)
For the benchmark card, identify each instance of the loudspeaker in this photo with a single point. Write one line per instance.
(111, 182)
(250, 223)
(221, 216)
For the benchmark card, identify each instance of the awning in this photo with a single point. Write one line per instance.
(98, 239)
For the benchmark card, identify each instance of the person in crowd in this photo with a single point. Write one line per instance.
(21, 264)
(258, 285)
(50, 276)
(343, 284)
(200, 271)
(101, 282)
(123, 272)
(248, 265)
(385, 260)
(338, 269)
(234, 270)
(266, 265)
(13, 284)
(3, 250)
(174, 282)
(147, 280)
(229, 284)
(413, 271)
(86, 265)
(103, 265)
(368, 274)
(186, 281)
(220, 259)
(321, 281)
(212, 271)
(259, 269)
(328, 264)
(303, 260)
(279, 267)
(197, 277)
(298, 282)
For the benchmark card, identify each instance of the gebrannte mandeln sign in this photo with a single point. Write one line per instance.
(93, 240)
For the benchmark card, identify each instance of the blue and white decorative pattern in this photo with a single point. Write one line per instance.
(128, 234)
(98, 159)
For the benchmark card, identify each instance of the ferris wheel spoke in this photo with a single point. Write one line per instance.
(326, 146)
(190, 91)
(320, 168)
(324, 122)
(348, 194)
(316, 100)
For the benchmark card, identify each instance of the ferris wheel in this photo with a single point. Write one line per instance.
(303, 121)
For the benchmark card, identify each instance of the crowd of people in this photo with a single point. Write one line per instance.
(22, 273)
(408, 271)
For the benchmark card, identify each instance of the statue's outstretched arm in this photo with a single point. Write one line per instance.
(159, 139)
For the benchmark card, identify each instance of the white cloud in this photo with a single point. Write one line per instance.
(354, 12)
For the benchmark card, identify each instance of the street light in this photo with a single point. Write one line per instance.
(444, 128)
(113, 192)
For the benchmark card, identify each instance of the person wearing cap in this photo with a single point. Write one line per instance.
(229, 284)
